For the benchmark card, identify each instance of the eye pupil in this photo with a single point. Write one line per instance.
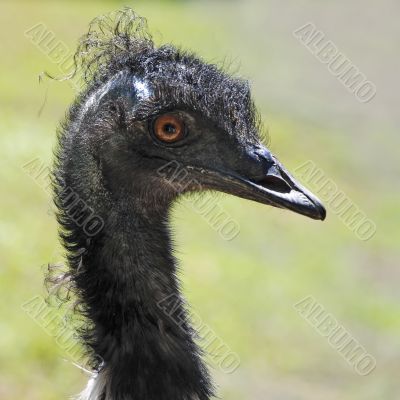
(169, 128)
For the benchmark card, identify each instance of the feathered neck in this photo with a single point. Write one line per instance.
(137, 332)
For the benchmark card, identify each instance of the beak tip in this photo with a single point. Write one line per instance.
(321, 210)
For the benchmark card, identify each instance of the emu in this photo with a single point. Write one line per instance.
(144, 111)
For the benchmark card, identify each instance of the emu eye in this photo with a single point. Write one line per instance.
(169, 128)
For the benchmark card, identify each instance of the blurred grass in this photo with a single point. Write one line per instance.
(245, 288)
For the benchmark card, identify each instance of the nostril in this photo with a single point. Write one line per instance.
(275, 183)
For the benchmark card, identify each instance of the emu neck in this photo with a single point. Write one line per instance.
(140, 328)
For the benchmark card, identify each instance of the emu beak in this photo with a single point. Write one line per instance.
(274, 186)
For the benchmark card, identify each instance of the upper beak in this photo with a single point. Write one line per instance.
(274, 186)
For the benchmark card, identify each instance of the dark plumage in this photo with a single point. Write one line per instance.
(113, 202)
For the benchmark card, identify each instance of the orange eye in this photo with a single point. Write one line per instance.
(169, 128)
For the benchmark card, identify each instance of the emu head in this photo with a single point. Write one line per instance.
(158, 121)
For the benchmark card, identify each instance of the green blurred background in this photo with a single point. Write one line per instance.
(243, 289)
